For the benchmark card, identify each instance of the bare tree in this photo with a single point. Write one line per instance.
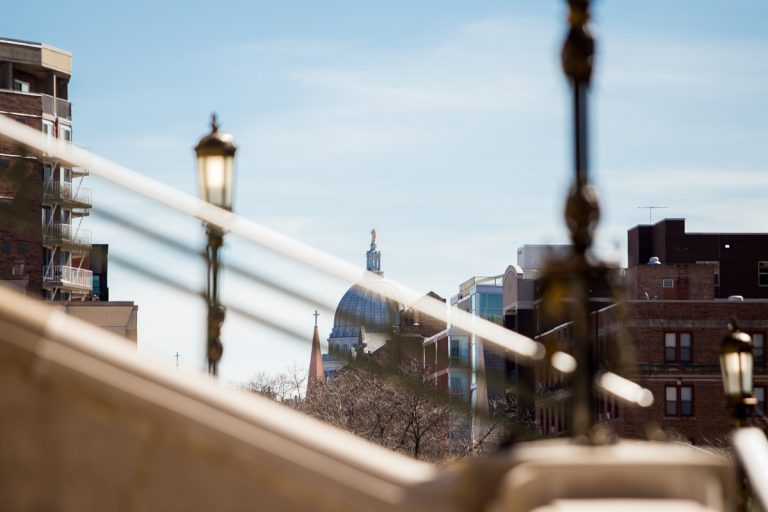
(396, 409)
(286, 387)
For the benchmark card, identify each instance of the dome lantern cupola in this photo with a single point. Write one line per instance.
(368, 306)
(373, 256)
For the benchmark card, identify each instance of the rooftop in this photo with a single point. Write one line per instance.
(36, 55)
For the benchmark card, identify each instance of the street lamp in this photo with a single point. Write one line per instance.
(736, 363)
(215, 155)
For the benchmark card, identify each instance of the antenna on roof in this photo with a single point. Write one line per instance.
(650, 211)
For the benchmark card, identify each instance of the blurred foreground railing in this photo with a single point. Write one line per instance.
(120, 423)
(751, 447)
(89, 423)
(524, 348)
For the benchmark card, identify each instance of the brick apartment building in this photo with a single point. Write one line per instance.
(674, 318)
(44, 251)
(47, 259)
(740, 259)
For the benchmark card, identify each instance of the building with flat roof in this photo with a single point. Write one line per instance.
(45, 259)
(118, 317)
(740, 259)
(682, 289)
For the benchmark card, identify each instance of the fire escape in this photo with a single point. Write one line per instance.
(66, 245)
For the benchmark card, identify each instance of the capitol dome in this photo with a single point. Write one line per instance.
(365, 307)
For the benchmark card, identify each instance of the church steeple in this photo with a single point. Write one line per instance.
(373, 256)
(316, 377)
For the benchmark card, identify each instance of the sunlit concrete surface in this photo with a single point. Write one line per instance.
(89, 424)
(118, 317)
(559, 475)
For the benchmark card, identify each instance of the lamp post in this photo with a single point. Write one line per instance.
(736, 364)
(215, 154)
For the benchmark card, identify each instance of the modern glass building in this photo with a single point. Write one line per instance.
(476, 372)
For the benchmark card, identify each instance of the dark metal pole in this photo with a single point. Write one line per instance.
(581, 215)
(580, 149)
(216, 311)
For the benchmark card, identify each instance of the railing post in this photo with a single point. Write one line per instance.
(581, 215)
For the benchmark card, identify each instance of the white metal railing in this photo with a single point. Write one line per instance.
(67, 191)
(312, 257)
(333, 468)
(73, 156)
(49, 105)
(56, 106)
(751, 447)
(53, 233)
(71, 276)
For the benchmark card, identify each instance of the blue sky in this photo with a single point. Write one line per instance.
(443, 124)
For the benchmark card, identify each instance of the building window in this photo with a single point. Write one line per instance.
(760, 395)
(678, 401)
(459, 351)
(18, 268)
(491, 307)
(65, 133)
(21, 86)
(717, 269)
(667, 283)
(48, 129)
(459, 385)
(677, 347)
(758, 347)
(762, 273)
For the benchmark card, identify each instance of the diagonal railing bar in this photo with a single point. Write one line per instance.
(607, 382)
(165, 280)
(176, 245)
(414, 384)
(296, 336)
(310, 256)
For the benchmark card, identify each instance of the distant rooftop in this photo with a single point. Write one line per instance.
(35, 55)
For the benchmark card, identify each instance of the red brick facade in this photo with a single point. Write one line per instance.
(673, 332)
(671, 282)
(21, 189)
(649, 323)
(33, 91)
(737, 254)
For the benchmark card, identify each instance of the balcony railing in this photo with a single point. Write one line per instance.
(63, 190)
(59, 233)
(56, 106)
(60, 275)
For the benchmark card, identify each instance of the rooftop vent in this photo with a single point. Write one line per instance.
(654, 260)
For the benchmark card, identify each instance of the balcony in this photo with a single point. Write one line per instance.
(61, 276)
(56, 106)
(65, 234)
(67, 193)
